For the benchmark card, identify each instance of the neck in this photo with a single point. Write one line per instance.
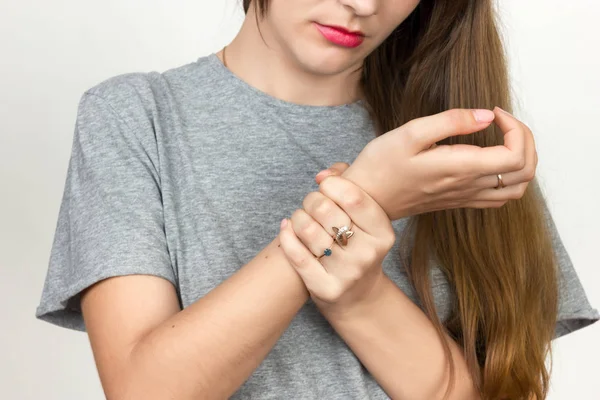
(273, 71)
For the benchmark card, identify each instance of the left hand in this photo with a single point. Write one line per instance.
(349, 278)
(407, 174)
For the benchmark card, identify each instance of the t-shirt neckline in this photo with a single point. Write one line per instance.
(228, 75)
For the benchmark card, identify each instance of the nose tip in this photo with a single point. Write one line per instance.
(361, 8)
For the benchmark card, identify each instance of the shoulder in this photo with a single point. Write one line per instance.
(123, 100)
(122, 86)
(154, 82)
(137, 92)
(125, 94)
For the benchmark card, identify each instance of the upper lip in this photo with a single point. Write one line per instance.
(345, 30)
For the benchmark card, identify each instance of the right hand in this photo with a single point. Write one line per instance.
(407, 174)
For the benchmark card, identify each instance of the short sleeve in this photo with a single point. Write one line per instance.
(575, 311)
(110, 221)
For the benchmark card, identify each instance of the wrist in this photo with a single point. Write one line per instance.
(361, 308)
(368, 183)
(272, 263)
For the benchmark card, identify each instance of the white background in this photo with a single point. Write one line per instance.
(51, 51)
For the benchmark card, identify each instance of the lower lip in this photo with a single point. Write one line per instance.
(339, 37)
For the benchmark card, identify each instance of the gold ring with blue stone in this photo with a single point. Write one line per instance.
(342, 235)
(326, 253)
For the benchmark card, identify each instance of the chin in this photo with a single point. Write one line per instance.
(324, 61)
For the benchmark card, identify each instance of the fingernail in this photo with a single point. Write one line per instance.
(283, 223)
(504, 111)
(482, 115)
(321, 173)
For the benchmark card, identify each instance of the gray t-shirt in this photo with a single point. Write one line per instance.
(185, 175)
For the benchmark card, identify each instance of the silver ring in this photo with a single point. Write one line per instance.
(500, 182)
(342, 234)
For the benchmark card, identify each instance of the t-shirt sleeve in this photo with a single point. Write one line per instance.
(110, 221)
(574, 311)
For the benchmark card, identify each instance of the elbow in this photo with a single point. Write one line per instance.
(150, 375)
(140, 384)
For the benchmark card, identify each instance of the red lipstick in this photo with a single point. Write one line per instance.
(341, 36)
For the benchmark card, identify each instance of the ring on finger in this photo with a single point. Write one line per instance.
(500, 182)
(342, 234)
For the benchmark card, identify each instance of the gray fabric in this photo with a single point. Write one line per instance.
(185, 175)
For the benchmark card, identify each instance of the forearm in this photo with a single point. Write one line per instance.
(400, 347)
(210, 348)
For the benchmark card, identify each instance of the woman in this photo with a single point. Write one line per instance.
(168, 250)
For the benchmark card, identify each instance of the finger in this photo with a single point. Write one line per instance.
(339, 166)
(492, 181)
(359, 206)
(341, 259)
(335, 169)
(461, 159)
(512, 192)
(326, 214)
(526, 174)
(343, 264)
(514, 134)
(324, 211)
(422, 133)
(311, 271)
(311, 232)
(486, 204)
(324, 174)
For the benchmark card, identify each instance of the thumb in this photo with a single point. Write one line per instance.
(425, 131)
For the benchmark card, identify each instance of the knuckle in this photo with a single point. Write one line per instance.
(523, 189)
(522, 161)
(323, 207)
(387, 240)
(530, 173)
(390, 240)
(328, 184)
(451, 179)
(409, 131)
(310, 199)
(369, 255)
(353, 199)
(297, 214)
(515, 194)
(458, 118)
(309, 230)
(439, 186)
(518, 162)
(299, 259)
(429, 190)
(355, 275)
(333, 293)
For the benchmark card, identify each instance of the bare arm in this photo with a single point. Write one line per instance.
(145, 347)
(399, 346)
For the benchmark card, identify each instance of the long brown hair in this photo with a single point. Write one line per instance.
(500, 262)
